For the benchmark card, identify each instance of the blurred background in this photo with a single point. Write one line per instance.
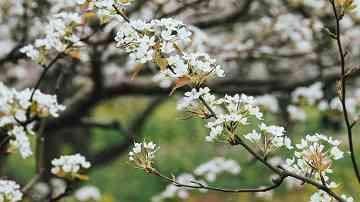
(268, 48)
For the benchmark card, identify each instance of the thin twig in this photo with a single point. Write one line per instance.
(343, 91)
(119, 12)
(44, 72)
(212, 112)
(202, 186)
(31, 183)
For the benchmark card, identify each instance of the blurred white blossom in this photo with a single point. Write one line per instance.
(10, 191)
(70, 166)
(87, 194)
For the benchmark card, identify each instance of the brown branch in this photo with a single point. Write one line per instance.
(44, 72)
(81, 106)
(342, 94)
(13, 55)
(115, 125)
(202, 186)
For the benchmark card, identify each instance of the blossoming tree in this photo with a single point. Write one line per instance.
(77, 47)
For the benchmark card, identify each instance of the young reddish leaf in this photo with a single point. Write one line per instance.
(74, 54)
(182, 81)
(82, 177)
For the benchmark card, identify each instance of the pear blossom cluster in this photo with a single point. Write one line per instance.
(314, 157)
(305, 96)
(335, 107)
(16, 107)
(238, 110)
(160, 41)
(211, 169)
(190, 103)
(313, 96)
(58, 186)
(146, 40)
(59, 34)
(143, 154)
(296, 113)
(87, 194)
(198, 66)
(10, 191)
(40, 191)
(269, 138)
(64, 29)
(310, 94)
(287, 25)
(231, 112)
(324, 197)
(173, 191)
(70, 166)
(267, 103)
(104, 8)
(20, 141)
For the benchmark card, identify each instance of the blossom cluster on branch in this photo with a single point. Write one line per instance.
(17, 108)
(232, 119)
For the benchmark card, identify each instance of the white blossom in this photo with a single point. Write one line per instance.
(265, 195)
(40, 191)
(314, 158)
(347, 198)
(191, 102)
(269, 102)
(69, 166)
(211, 169)
(310, 94)
(253, 136)
(21, 141)
(173, 191)
(47, 105)
(159, 40)
(88, 193)
(30, 51)
(58, 34)
(58, 186)
(143, 154)
(10, 191)
(320, 196)
(269, 138)
(16, 107)
(296, 113)
(350, 102)
(238, 110)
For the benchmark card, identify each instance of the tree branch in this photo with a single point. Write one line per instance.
(342, 94)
